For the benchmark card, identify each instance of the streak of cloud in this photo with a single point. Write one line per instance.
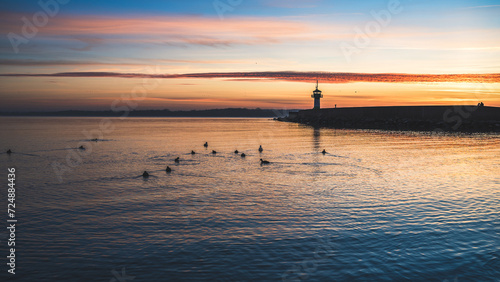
(481, 7)
(169, 30)
(324, 77)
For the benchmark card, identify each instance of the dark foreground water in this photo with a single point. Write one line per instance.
(377, 207)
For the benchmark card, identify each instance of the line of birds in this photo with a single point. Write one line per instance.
(145, 174)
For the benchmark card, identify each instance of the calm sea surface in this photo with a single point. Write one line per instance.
(379, 206)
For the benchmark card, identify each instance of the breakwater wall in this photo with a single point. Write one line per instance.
(419, 118)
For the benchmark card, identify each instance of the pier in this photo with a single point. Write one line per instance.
(460, 118)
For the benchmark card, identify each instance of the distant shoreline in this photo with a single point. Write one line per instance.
(454, 118)
(229, 112)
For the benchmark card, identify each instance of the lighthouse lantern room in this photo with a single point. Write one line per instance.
(317, 96)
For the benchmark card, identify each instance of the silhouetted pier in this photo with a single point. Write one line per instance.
(419, 118)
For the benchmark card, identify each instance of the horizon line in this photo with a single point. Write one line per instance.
(225, 109)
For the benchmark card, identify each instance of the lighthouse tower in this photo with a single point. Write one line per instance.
(316, 95)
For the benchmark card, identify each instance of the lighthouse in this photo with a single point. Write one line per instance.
(316, 95)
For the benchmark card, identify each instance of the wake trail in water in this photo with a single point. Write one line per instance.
(22, 154)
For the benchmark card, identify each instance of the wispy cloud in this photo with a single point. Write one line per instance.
(30, 62)
(173, 30)
(123, 62)
(480, 7)
(325, 77)
(89, 43)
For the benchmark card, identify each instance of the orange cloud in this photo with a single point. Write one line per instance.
(324, 77)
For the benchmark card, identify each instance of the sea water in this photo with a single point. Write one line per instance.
(378, 206)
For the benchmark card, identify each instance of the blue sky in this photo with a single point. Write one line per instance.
(274, 8)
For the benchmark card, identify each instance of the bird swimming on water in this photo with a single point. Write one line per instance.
(193, 152)
(206, 144)
(236, 152)
(243, 155)
(168, 169)
(324, 151)
(214, 152)
(9, 151)
(145, 174)
(176, 160)
(260, 149)
(264, 162)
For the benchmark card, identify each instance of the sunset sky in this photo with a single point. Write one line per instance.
(206, 54)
